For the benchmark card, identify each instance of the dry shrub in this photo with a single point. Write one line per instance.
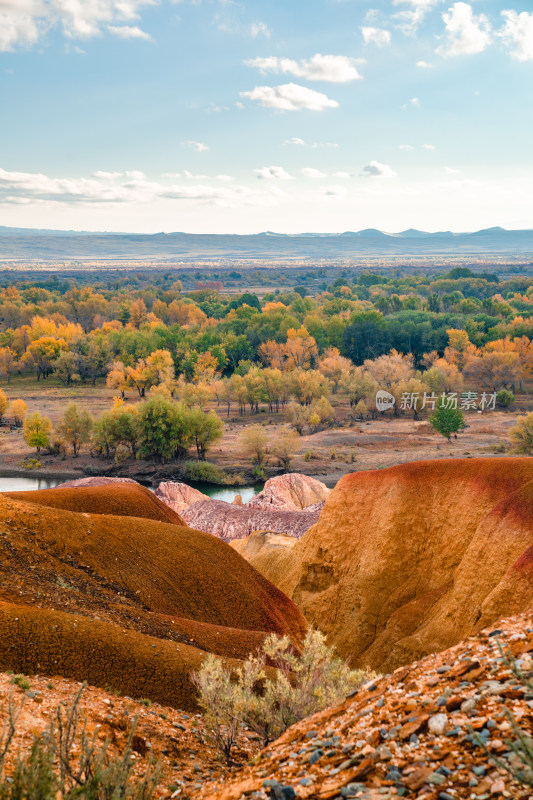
(273, 689)
(66, 763)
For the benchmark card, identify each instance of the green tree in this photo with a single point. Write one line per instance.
(447, 420)
(205, 429)
(37, 430)
(165, 428)
(75, 427)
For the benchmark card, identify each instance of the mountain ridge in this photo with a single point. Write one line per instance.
(43, 245)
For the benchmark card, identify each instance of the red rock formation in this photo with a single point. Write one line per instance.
(123, 601)
(228, 521)
(179, 496)
(124, 499)
(291, 492)
(410, 560)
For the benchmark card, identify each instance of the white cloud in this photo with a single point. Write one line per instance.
(466, 33)
(109, 188)
(343, 175)
(260, 29)
(311, 172)
(334, 69)
(377, 36)
(273, 173)
(314, 145)
(250, 30)
(414, 102)
(406, 147)
(451, 171)
(198, 147)
(424, 65)
(410, 19)
(129, 32)
(375, 169)
(290, 97)
(103, 175)
(428, 147)
(23, 23)
(517, 34)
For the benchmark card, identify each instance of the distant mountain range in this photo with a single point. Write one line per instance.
(53, 245)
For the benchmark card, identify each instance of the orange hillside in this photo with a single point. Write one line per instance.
(121, 499)
(412, 559)
(126, 602)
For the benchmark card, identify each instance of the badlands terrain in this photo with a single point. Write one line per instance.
(106, 582)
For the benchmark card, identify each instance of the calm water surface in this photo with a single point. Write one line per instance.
(226, 493)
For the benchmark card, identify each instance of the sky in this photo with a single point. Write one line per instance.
(240, 116)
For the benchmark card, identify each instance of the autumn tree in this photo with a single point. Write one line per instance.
(74, 427)
(332, 365)
(17, 410)
(458, 346)
(117, 377)
(253, 440)
(301, 350)
(206, 368)
(37, 430)
(4, 402)
(42, 353)
(66, 367)
(493, 370)
(521, 435)
(8, 362)
(284, 445)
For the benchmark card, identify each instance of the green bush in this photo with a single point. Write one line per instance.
(205, 472)
(269, 699)
(504, 397)
(259, 474)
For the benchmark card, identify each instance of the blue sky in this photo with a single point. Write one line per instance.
(229, 116)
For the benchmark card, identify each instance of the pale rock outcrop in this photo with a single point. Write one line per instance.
(96, 481)
(291, 492)
(179, 496)
(228, 521)
(264, 549)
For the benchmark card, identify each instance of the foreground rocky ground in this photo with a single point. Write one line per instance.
(409, 734)
(177, 740)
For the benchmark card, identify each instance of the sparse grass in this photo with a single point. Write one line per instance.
(22, 682)
(67, 763)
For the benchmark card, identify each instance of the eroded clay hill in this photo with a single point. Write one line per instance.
(122, 499)
(127, 602)
(410, 560)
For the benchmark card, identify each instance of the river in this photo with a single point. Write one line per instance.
(227, 493)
